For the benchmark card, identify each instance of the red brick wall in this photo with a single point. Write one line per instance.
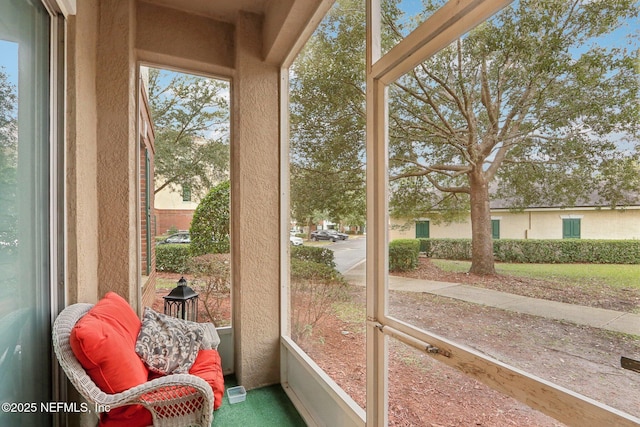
(149, 291)
(178, 218)
(143, 212)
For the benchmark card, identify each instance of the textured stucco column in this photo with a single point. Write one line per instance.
(255, 209)
(116, 150)
(81, 172)
(81, 157)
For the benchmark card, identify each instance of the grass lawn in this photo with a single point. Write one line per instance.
(615, 275)
(162, 283)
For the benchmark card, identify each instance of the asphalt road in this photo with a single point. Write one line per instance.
(348, 252)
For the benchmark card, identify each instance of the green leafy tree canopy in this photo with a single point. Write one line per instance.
(328, 120)
(191, 120)
(8, 166)
(532, 106)
(531, 102)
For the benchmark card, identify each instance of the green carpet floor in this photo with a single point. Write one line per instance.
(264, 407)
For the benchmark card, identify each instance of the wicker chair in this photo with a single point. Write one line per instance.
(173, 400)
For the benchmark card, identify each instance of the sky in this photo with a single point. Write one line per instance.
(9, 60)
(412, 8)
(9, 50)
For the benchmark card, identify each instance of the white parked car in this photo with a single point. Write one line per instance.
(295, 241)
(181, 237)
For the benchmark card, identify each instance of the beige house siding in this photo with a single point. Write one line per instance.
(538, 224)
(172, 199)
(172, 211)
(400, 229)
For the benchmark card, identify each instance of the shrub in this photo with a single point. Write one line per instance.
(305, 271)
(403, 254)
(568, 251)
(458, 249)
(212, 277)
(173, 258)
(541, 251)
(210, 224)
(313, 253)
(425, 245)
(315, 288)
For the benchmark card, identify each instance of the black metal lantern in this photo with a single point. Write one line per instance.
(182, 302)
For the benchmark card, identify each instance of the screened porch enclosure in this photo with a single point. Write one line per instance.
(393, 331)
(82, 223)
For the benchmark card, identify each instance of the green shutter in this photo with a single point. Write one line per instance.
(495, 228)
(186, 193)
(571, 228)
(422, 229)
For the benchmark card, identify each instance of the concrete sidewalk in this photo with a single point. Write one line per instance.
(611, 320)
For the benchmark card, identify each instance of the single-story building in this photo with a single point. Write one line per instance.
(579, 222)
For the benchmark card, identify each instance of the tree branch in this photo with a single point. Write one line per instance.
(485, 96)
(454, 96)
(436, 184)
(465, 95)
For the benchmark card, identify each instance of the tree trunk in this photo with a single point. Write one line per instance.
(481, 240)
(309, 224)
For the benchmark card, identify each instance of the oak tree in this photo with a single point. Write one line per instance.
(538, 105)
(191, 121)
(532, 106)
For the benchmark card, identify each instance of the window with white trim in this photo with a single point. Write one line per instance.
(433, 100)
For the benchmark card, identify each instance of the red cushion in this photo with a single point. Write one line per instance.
(126, 416)
(209, 367)
(104, 341)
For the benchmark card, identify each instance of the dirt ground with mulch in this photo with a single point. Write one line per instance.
(425, 392)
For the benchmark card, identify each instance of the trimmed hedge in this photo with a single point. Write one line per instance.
(173, 258)
(176, 258)
(538, 251)
(458, 249)
(568, 251)
(313, 253)
(403, 254)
